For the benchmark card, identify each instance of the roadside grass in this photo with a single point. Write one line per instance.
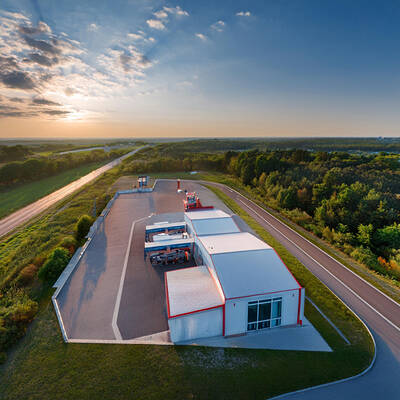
(20, 196)
(42, 234)
(42, 366)
(384, 283)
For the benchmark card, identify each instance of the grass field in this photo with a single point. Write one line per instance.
(42, 366)
(16, 198)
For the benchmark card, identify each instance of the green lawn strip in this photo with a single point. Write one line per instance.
(16, 198)
(381, 282)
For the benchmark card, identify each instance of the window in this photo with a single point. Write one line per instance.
(263, 314)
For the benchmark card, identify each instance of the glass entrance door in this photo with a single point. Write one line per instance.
(263, 314)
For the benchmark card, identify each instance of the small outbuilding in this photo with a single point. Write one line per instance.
(194, 304)
(209, 222)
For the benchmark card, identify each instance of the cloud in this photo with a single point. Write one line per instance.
(17, 80)
(155, 24)
(42, 27)
(161, 14)
(55, 112)
(42, 59)
(243, 14)
(218, 26)
(92, 27)
(44, 102)
(176, 11)
(134, 60)
(201, 36)
(35, 59)
(140, 36)
(12, 76)
(47, 47)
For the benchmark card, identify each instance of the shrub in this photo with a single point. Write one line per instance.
(27, 274)
(39, 261)
(55, 264)
(69, 243)
(82, 227)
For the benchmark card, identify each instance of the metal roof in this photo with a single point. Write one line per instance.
(215, 226)
(162, 226)
(246, 266)
(206, 214)
(191, 290)
(241, 241)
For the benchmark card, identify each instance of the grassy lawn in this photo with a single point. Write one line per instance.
(42, 366)
(16, 198)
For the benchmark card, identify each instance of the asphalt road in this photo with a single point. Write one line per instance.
(379, 312)
(11, 222)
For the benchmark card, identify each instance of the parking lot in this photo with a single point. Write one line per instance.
(88, 302)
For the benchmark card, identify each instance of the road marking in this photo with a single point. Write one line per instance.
(114, 324)
(318, 248)
(330, 273)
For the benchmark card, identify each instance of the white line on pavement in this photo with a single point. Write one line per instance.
(114, 324)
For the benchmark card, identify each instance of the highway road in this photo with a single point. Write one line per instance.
(378, 311)
(11, 222)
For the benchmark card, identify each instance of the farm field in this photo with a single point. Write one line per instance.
(16, 198)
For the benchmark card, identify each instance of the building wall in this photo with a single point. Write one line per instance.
(236, 310)
(197, 325)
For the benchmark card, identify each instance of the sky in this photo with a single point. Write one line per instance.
(144, 68)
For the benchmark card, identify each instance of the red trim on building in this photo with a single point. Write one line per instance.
(196, 311)
(290, 272)
(299, 321)
(190, 312)
(166, 293)
(223, 320)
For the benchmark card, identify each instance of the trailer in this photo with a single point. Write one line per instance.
(169, 245)
(164, 227)
(193, 203)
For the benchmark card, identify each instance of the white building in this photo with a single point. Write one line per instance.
(241, 285)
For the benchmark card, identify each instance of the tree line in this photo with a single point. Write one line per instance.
(350, 200)
(35, 168)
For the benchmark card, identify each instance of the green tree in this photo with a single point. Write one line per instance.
(364, 235)
(389, 236)
(82, 227)
(55, 264)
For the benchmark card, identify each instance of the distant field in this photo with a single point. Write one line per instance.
(14, 199)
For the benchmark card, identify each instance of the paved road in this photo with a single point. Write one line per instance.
(381, 314)
(17, 218)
